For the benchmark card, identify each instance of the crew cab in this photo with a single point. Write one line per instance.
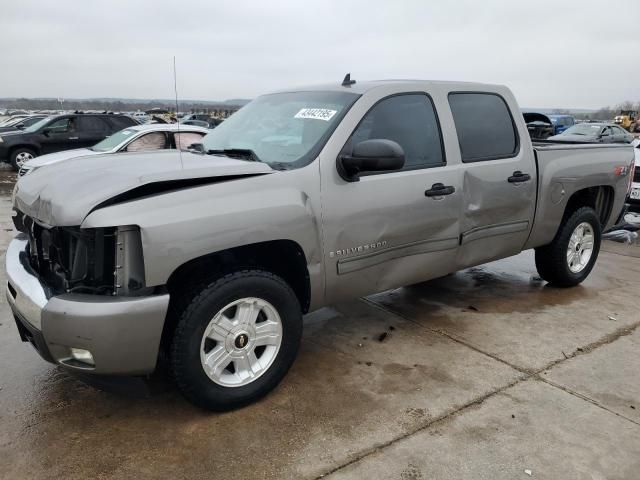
(57, 133)
(301, 199)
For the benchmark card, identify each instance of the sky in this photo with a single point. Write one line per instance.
(552, 54)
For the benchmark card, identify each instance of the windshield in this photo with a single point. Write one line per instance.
(285, 130)
(38, 125)
(583, 129)
(12, 121)
(113, 141)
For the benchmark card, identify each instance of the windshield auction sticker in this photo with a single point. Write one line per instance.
(316, 113)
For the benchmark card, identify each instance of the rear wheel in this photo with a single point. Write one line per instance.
(21, 155)
(570, 257)
(236, 340)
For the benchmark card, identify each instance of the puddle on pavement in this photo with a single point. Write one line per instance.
(506, 286)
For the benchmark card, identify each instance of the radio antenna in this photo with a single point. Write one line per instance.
(175, 91)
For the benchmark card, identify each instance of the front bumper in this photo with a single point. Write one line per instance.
(122, 333)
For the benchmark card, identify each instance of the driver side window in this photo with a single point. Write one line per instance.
(61, 125)
(409, 120)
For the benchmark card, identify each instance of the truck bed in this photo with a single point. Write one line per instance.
(566, 168)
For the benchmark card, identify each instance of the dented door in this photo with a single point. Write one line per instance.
(391, 228)
(499, 179)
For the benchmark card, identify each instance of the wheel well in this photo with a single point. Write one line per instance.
(30, 147)
(285, 258)
(599, 198)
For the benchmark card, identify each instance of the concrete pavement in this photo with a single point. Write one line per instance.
(482, 374)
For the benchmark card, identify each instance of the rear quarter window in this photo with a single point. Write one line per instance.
(485, 127)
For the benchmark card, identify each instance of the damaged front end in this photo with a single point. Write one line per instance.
(98, 261)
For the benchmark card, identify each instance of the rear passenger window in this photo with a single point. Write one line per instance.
(484, 125)
(184, 139)
(410, 120)
(120, 121)
(92, 124)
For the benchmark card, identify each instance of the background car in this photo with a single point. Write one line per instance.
(155, 136)
(197, 123)
(20, 123)
(141, 117)
(196, 118)
(561, 122)
(58, 133)
(594, 133)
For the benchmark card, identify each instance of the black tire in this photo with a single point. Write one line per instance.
(13, 158)
(186, 366)
(551, 260)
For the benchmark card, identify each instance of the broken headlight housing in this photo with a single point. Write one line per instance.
(100, 261)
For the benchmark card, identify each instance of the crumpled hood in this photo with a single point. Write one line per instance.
(50, 158)
(64, 194)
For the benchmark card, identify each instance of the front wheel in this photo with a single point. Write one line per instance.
(570, 257)
(236, 340)
(20, 156)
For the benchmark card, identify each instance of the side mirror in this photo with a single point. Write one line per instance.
(46, 132)
(20, 126)
(370, 156)
(196, 147)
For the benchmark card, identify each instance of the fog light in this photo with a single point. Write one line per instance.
(83, 356)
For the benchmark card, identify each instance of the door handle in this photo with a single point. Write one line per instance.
(439, 189)
(518, 177)
(73, 138)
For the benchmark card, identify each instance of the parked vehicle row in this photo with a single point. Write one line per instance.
(301, 199)
(57, 133)
(139, 138)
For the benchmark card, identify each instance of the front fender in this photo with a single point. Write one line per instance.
(180, 226)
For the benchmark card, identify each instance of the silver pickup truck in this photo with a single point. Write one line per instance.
(208, 259)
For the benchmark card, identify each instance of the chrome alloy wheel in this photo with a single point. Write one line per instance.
(580, 247)
(241, 342)
(23, 157)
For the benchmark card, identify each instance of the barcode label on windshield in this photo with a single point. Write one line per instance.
(316, 113)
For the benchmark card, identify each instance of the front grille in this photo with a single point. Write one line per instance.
(70, 259)
(23, 171)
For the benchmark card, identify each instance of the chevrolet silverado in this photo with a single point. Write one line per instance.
(207, 259)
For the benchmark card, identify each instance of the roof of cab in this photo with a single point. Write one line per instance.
(361, 87)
